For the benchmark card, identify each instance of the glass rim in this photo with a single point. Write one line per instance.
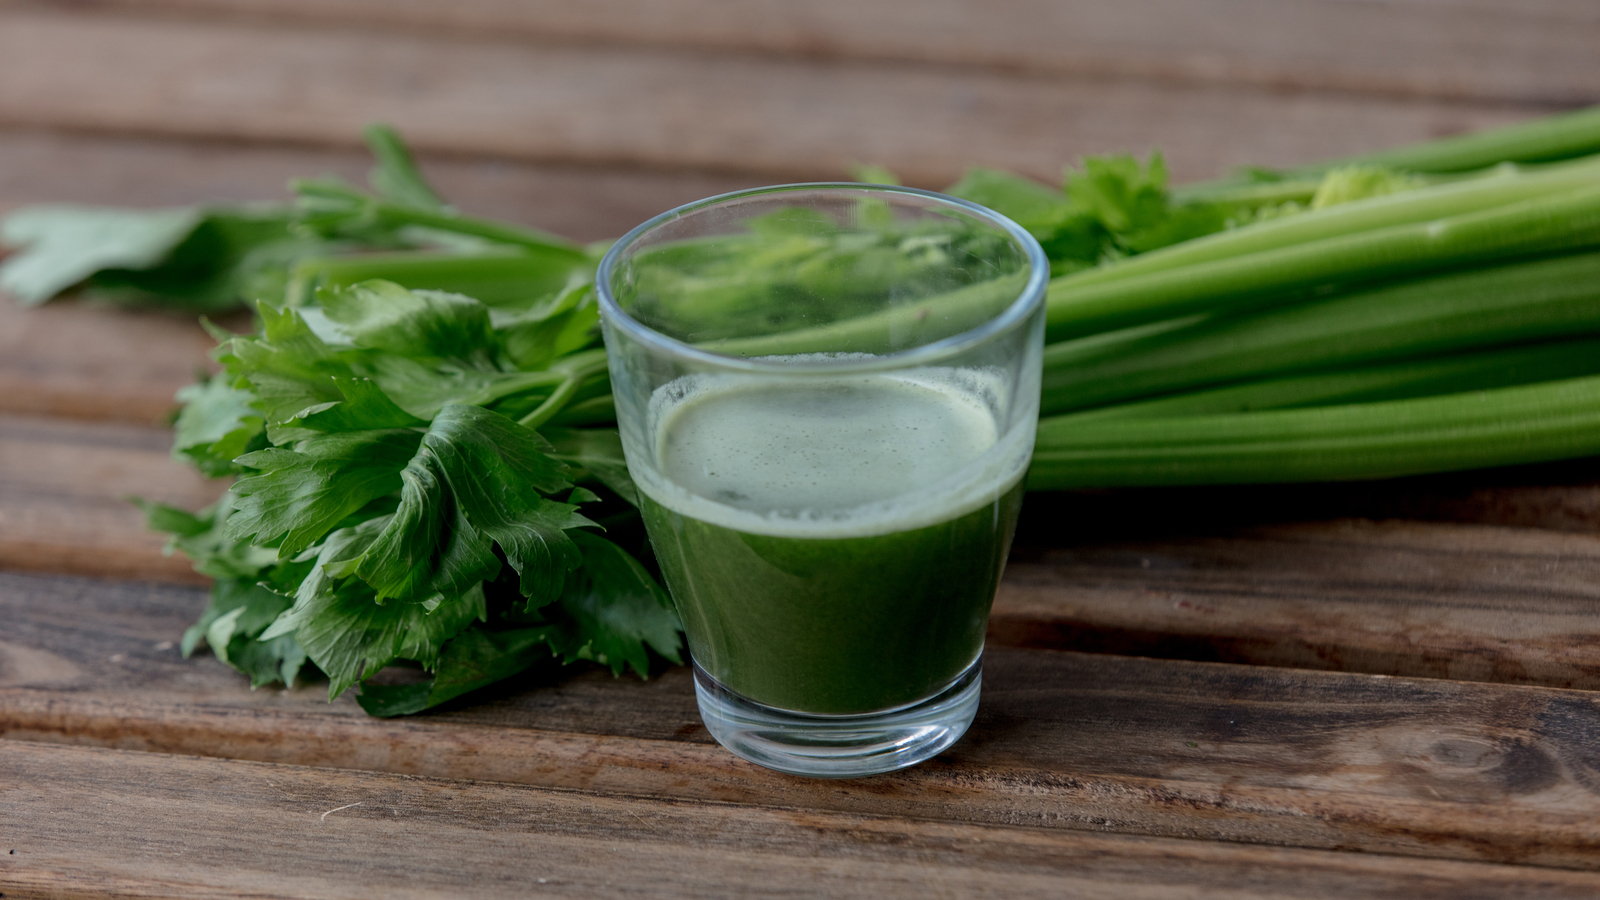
(1028, 298)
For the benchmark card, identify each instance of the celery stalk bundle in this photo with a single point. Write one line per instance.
(1442, 326)
(421, 422)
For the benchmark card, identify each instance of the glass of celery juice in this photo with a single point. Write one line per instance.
(827, 395)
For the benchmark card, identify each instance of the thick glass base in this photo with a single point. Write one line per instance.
(838, 746)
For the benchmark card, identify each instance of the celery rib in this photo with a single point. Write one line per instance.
(1542, 141)
(509, 277)
(1551, 137)
(1541, 225)
(1458, 311)
(1506, 426)
(1406, 207)
(1471, 371)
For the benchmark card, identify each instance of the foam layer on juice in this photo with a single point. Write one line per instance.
(832, 457)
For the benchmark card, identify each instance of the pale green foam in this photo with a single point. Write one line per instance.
(832, 456)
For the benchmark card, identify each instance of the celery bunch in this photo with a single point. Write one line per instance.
(421, 421)
(1449, 324)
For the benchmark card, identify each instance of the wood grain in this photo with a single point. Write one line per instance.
(63, 498)
(236, 829)
(1560, 496)
(80, 361)
(1453, 601)
(1064, 741)
(1531, 52)
(781, 118)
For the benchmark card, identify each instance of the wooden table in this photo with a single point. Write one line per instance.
(1349, 691)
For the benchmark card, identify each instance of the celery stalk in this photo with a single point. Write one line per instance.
(1507, 426)
(1551, 137)
(1541, 225)
(509, 278)
(396, 214)
(1458, 311)
(1454, 198)
(1472, 371)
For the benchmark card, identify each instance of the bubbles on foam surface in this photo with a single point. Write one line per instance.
(832, 455)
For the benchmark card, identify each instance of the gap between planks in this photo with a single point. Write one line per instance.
(235, 829)
(1530, 52)
(1063, 741)
(781, 118)
(64, 498)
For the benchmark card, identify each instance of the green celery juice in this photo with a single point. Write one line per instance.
(833, 545)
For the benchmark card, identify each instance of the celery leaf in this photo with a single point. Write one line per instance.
(616, 610)
(348, 634)
(218, 423)
(477, 478)
(299, 495)
(63, 245)
(476, 657)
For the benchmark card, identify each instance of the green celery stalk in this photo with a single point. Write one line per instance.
(1507, 426)
(1473, 371)
(1462, 310)
(599, 410)
(394, 214)
(910, 323)
(511, 278)
(1543, 140)
(1542, 225)
(1551, 137)
(1499, 188)
(587, 368)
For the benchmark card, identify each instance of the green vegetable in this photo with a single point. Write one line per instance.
(403, 495)
(1113, 208)
(1551, 138)
(1541, 225)
(1496, 188)
(413, 425)
(395, 503)
(201, 259)
(1470, 371)
(217, 424)
(1506, 426)
(66, 244)
(1445, 313)
(475, 657)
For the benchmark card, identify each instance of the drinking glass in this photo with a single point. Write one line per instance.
(827, 395)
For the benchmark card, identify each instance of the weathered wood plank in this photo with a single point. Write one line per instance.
(1561, 496)
(1536, 52)
(1206, 574)
(80, 361)
(1069, 741)
(1394, 598)
(237, 829)
(63, 498)
(781, 118)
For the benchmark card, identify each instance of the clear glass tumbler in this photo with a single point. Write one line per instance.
(827, 395)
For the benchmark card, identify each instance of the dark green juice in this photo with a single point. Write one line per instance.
(841, 625)
(833, 547)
